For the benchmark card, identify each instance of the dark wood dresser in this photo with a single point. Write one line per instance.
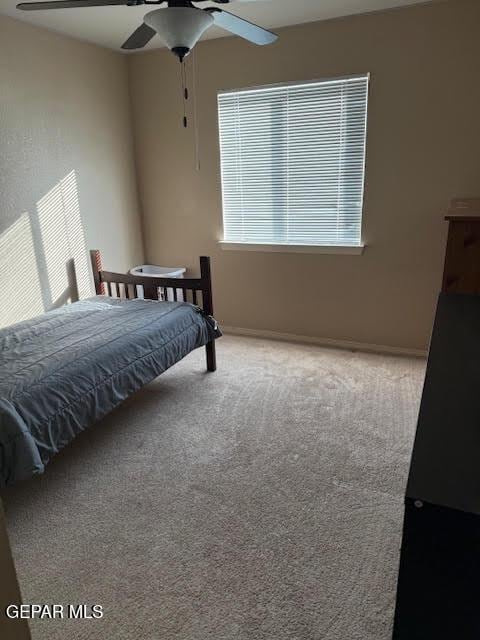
(438, 594)
(462, 259)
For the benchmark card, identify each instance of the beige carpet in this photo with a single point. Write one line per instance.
(260, 502)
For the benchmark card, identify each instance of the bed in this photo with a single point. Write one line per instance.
(64, 370)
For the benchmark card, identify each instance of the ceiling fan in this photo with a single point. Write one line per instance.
(180, 24)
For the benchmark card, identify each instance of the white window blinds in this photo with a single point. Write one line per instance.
(293, 160)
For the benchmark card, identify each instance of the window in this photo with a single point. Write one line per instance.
(293, 163)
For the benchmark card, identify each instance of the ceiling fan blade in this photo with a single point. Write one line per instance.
(68, 4)
(242, 28)
(140, 37)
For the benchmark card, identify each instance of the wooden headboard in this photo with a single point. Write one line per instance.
(124, 285)
(198, 291)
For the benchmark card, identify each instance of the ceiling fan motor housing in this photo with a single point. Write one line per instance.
(180, 28)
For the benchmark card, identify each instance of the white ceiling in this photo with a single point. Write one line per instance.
(110, 26)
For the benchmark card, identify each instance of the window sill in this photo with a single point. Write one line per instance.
(352, 250)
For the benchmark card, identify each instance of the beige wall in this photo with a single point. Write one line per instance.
(67, 178)
(423, 145)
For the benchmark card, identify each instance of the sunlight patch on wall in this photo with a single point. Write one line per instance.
(63, 239)
(21, 295)
(43, 256)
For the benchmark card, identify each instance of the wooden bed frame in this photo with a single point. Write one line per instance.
(124, 285)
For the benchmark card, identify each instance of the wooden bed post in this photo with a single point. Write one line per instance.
(96, 260)
(206, 275)
(111, 282)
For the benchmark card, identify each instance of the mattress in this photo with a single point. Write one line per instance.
(64, 370)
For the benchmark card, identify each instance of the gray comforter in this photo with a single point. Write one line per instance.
(62, 371)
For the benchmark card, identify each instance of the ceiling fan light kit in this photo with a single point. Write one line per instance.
(180, 28)
(180, 24)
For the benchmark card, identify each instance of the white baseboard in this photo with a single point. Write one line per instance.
(324, 342)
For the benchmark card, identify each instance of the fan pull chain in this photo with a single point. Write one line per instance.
(183, 75)
(195, 110)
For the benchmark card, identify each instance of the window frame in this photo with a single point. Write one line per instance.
(279, 247)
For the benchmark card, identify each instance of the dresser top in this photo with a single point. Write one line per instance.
(464, 210)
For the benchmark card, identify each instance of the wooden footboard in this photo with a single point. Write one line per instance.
(198, 291)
